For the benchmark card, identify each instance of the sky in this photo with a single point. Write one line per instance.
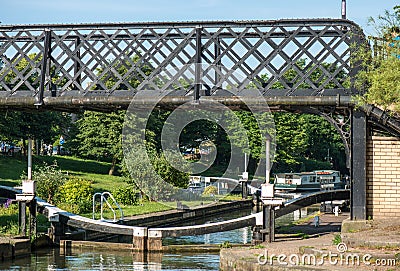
(104, 11)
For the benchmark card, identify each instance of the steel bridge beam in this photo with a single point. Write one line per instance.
(110, 103)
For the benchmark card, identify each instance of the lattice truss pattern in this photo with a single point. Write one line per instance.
(280, 58)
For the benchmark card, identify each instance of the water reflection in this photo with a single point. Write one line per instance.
(113, 260)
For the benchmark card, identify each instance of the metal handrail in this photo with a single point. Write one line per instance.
(103, 199)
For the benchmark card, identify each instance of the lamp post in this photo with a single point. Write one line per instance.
(343, 9)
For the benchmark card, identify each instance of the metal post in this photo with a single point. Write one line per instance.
(77, 65)
(358, 166)
(245, 162)
(46, 54)
(267, 157)
(217, 53)
(343, 9)
(29, 159)
(198, 68)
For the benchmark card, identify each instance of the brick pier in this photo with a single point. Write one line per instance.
(383, 177)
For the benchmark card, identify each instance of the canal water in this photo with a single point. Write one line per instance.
(85, 259)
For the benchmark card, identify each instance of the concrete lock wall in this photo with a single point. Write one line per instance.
(383, 177)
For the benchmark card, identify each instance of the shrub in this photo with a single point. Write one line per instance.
(49, 179)
(125, 195)
(337, 239)
(9, 220)
(210, 190)
(76, 195)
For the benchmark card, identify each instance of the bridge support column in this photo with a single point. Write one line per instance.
(358, 166)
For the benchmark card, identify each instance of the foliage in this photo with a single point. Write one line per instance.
(49, 179)
(384, 83)
(76, 195)
(152, 174)
(210, 190)
(303, 142)
(380, 68)
(125, 195)
(225, 244)
(291, 141)
(27, 70)
(165, 165)
(39, 125)
(9, 220)
(383, 23)
(337, 239)
(99, 136)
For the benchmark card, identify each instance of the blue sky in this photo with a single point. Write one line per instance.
(79, 11)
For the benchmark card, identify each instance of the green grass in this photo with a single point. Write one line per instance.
(132, 210)
(12, 168)
(91, 170)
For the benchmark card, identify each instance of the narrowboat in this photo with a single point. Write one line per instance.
(309, 181)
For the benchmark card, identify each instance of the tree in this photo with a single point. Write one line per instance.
(380, 68)
(49, 179)
(152, 174)
(291, 141)
(42, 126)
(303, 143)
(99, 137)
(324, 143)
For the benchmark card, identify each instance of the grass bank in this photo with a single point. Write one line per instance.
(12, 168)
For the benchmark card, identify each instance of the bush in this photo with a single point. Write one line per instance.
(210, 190)
(75, 196)
(9, 219)
(125, 195)
(49, 179)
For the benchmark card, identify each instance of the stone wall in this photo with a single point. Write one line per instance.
(383, 177)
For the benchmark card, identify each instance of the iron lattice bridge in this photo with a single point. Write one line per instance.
(103, 66)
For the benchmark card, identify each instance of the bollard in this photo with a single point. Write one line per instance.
(336, 210)
(316, 221)
(257, 236)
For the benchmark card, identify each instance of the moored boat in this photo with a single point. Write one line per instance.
(309, 181)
